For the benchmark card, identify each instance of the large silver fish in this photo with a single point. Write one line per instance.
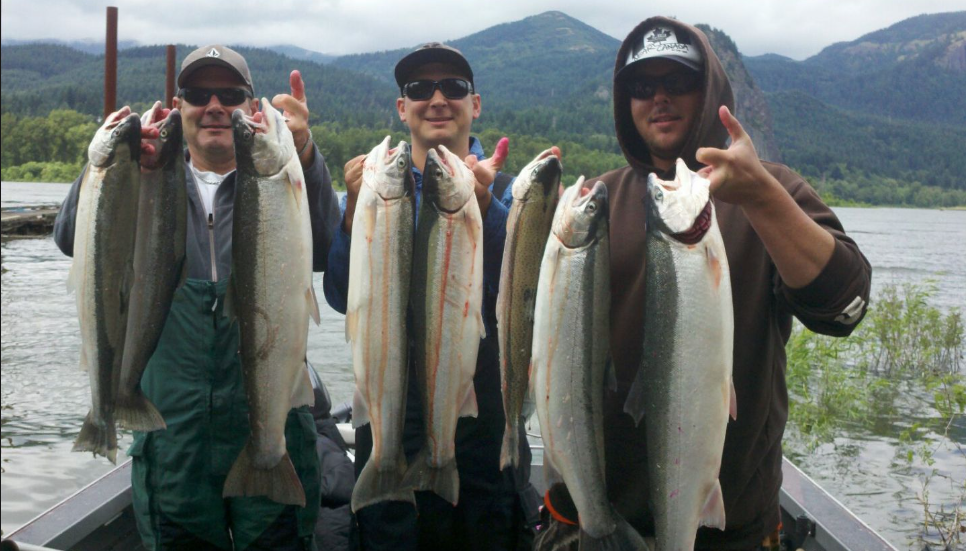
(271, 294)
(159, 269)
(446, 298)
(380, 269)
(528, 226)
(570, 349)
(683, 389)
(102, 271)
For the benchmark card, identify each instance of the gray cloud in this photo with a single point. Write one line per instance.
(794, 29)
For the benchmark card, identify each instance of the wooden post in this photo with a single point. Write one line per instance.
(169, 80)
(110, 63)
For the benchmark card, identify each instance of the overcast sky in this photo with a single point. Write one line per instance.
(797, 29)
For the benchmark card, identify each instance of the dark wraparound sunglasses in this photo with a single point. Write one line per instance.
(226, 96)
(452, 88)
(675, 84)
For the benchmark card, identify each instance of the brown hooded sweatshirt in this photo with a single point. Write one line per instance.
(763, 308)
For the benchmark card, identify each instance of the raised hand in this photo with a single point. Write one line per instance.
(736, 174)
(485, 172)
(295, 109)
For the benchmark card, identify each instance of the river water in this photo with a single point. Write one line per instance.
(45, 396)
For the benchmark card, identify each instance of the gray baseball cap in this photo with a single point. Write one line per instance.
(216, 54)
(663, 41)
(433, 52)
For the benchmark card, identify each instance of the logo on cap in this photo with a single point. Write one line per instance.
(213, 53)
(659, 35)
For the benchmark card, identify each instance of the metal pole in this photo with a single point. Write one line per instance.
(110, 63)
(169, 81)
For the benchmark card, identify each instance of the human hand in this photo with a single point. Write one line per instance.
(295, 109)
(151, 123)
(485, 172)
(736, 174)
(353, 182)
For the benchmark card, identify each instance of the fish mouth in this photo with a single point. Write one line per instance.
(130, 129)
(586, 194)
(171, 135)
(548, 172)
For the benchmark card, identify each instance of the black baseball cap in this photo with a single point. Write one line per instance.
(433, 52)
(216, 54)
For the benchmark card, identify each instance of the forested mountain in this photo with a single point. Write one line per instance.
(914, 70)
(860, 110)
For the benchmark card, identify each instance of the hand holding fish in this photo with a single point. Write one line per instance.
(296, 112)
(353, 182)
(485, 172)
(150, 132)
(736, 174)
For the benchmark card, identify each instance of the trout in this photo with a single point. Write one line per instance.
(683, 388)
(570, 349)
(528, 226)
(102, 271)
(271, 295)
(447, 300)
(380, 269)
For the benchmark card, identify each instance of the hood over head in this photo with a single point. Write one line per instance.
(716, 91)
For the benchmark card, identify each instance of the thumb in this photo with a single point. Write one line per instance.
(711, 156)
(501, 153)
(731, 124)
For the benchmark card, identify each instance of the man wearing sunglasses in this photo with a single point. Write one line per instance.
(788, 256)
(194, 377)
(438, 102)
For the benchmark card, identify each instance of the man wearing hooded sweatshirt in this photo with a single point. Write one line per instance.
(788, 254)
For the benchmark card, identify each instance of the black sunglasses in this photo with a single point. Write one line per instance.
(422, 90)
(675, 84)
(226, 96)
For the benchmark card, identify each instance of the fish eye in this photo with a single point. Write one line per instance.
(164, 133)
(438, 173)
(592, 207)
(401, 163)
(247, 134)
(534, 173)
(658, 195)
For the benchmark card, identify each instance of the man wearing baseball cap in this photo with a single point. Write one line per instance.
(438, 102)
(194, 377)
(788, 256)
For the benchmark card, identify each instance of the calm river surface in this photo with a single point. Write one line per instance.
(45, 396)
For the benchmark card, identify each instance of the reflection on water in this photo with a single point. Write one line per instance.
(45, 396)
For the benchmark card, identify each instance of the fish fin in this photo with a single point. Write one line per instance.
(313, 304)
(635, 403)
(610, 374)
(375, 485)
(99, 438)
(529, 405)
(443, 481)
(713, 513)
(360, 410)
(280, 484)
(557, 536)
(469, 407)
(302, 394)
(510, 452)
(551, 475)
(139, 414)
(733, 406)
(228, 308)
(623, 538)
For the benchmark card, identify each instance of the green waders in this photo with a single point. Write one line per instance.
(195, 380)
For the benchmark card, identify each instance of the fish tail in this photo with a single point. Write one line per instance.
(510, 454)
(98, 437)
(281, 483)
(375, 485)
(139, 413)
(623, 538)
(443, 480)
(635, 403)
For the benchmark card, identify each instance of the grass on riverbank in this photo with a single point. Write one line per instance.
(904, 351)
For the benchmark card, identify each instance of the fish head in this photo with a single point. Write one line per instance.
(541, 176)
(581, 217)
(118, 136)
(266, 144)
(389, 172)
(447, 182)
(675, 205)
(170, 138)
